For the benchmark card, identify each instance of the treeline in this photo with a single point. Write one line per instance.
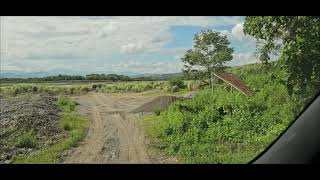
(89, 77)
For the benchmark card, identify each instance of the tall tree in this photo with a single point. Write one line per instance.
(298, 40)
(209, 53)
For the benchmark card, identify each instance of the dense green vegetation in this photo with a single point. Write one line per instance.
(135, 86)
(296, 39)
(132, 87)
(224, 126)
(71, 122)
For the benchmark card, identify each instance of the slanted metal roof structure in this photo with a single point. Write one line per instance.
(235, 82)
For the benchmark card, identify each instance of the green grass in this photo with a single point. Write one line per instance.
(26, 140)
(174, 87)
(72, 123)
(225, 126)
(67, 89)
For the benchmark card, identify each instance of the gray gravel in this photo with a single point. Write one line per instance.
(23, 113)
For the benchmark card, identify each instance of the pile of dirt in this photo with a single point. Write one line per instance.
(159, 103)
(23, 114)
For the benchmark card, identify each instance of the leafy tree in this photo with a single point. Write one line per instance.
(297, 38)
(209, 53)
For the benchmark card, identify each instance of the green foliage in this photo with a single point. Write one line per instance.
(194, 85)
(210, 52)
(176, 82)
(110, 77)
(56, 89)
(27, 140)
(224, 126)
(297, 38)
(65, 104)
(157, 111)
(131, 87)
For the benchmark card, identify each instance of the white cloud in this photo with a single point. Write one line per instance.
(243, 58)
(150, 67)
(37, 40)
(237, 33)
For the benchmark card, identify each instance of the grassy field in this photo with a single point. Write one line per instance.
(162, 87)
(70, 121)
(224, 126)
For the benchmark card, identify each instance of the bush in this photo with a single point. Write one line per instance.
(34, 89)
(157, 111)
(66, 126)
(94, 86)
(194, 85)
(27, 140)
(65, 103)
(84, 89)
(72, 90)
(176, 82)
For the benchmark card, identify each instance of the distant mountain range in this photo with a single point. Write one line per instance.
(55, 72)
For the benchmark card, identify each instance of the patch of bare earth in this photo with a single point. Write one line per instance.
(114, 135)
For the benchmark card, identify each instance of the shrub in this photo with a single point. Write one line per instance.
(34, 89)
(66, 126)
(65, 103)
(72, 90)
(176, 82)
(94, 86)
(157, 111)
(194, 85)
(84, 89)
(27, 140)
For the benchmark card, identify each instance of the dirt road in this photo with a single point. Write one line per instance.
(114, 135)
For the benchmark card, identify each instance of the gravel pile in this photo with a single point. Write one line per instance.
(159, 103)
(23, 113)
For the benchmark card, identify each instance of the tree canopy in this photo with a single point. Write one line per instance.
(297, 38)
(209, 53)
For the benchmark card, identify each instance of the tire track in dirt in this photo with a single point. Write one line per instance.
(113, 135)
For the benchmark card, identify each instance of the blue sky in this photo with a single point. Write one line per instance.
(117, 44)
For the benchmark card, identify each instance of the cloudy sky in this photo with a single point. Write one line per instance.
(120, 44)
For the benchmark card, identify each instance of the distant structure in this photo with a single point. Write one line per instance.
(234, 82)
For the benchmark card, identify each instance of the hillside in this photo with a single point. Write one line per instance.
(223, 126)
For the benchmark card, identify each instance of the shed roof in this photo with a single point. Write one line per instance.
(234, 81)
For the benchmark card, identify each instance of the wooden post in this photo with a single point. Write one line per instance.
(211, 83)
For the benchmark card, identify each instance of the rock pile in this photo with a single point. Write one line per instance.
(22, 114)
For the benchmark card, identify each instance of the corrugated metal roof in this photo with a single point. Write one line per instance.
(235, 82)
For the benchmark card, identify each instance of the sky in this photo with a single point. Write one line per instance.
(142, 44)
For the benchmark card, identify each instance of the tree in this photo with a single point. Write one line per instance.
(209, 53)
(297, 38)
